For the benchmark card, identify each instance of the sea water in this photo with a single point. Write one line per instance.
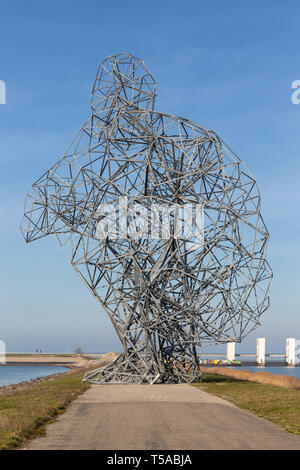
(16, 374)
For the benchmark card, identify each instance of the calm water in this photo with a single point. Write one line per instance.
(295, 371)
(15, 374)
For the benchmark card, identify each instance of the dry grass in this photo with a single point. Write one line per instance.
(24, 412)
(275, 403)
(266, 378)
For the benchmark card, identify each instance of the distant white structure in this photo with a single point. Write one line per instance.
(230, 351)
(290, 357)
(261, 350)
(291, 351)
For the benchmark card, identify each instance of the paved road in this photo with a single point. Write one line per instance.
(159, 417)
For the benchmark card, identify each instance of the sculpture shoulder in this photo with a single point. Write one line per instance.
(146, 123)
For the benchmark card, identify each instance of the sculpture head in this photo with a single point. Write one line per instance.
(123, 80)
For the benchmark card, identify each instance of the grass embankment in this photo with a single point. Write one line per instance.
(267, 378)
(275, 403)
(24, 413)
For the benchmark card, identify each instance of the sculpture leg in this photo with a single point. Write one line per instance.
(134, 367)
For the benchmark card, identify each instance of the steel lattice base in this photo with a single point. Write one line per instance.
(132, 370)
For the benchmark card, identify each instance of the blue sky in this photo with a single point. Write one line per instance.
(225, 65)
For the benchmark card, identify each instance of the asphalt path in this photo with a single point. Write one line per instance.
(166, 417)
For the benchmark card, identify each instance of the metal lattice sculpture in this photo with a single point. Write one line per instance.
(165, 296)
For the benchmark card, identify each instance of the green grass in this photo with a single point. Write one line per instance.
(277, 404)
(24, 413)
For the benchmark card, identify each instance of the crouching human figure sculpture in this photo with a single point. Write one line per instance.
(162, 223)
